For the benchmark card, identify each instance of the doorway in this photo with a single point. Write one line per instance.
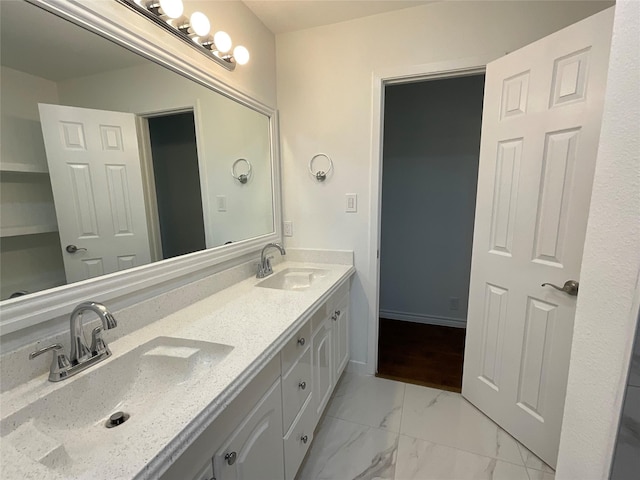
(431, 147)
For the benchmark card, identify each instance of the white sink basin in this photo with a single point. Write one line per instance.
(65, 430)
(293, 278)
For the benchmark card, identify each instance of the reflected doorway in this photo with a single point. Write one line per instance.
(176, 175)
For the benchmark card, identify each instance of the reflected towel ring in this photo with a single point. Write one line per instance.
(243, 177)
(320, 175)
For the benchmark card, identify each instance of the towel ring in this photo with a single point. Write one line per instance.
(243, 177)
(320, 175)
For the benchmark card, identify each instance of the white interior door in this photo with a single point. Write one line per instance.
(540, 130)
(95, 174)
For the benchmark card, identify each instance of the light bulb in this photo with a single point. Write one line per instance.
(222, 40)
(200, 24)
(172, 8)
(241, 55)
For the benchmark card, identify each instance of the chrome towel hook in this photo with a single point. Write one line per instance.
(320, 175)
(243, 177)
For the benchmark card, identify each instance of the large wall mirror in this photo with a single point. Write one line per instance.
(110, 161)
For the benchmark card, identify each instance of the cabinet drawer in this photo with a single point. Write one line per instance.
(296, 387)
(294, 347)
(298, 440)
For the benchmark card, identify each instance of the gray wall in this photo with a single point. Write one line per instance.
(430, 170)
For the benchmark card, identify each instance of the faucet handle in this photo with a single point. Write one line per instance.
(59, 363)
(98, 345)
(37, 353)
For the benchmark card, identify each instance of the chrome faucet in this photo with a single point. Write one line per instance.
(264, 267)
(81, 356)
(80, 351)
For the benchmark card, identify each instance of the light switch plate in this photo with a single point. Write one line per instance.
(351, 202)
(221, 202)
(288, 228)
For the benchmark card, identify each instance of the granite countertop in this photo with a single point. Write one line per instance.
(255, 321)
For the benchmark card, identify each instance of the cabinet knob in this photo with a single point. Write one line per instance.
(304, 439)
(231, 458)
(302, 385)
(337, 313)
(334, 317)
(301, 341)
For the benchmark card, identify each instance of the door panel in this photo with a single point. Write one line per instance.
(541, 124)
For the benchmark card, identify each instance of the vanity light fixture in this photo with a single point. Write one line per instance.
(194, 29)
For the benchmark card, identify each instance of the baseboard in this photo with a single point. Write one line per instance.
(425, 319)
(359, 368)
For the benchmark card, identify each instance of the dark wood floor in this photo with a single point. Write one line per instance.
(428, 355)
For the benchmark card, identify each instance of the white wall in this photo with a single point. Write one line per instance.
(325, 100)
(607, 307)
(430, 174)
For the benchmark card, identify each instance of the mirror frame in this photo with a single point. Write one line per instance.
(116, 23)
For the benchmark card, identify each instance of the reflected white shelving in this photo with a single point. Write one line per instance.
(27, 230)
(21, 168)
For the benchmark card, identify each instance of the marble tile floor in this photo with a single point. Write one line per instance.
(377, 429)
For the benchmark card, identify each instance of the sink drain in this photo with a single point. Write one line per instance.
(116, 419)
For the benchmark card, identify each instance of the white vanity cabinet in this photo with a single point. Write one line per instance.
(267, 430)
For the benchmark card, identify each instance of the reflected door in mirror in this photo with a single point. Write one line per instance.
(94, 165)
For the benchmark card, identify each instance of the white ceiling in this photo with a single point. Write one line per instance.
(281, 16)
(36, 42)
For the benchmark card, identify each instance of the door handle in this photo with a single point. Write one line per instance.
(570, 287)
(73, 249)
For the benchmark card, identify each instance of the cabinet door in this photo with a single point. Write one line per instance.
(322, 366)
(255, 450)
(340, 318)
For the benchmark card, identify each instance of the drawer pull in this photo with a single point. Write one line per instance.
(231, 458)
(301, 341)
(302, 385)
(304, 439)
